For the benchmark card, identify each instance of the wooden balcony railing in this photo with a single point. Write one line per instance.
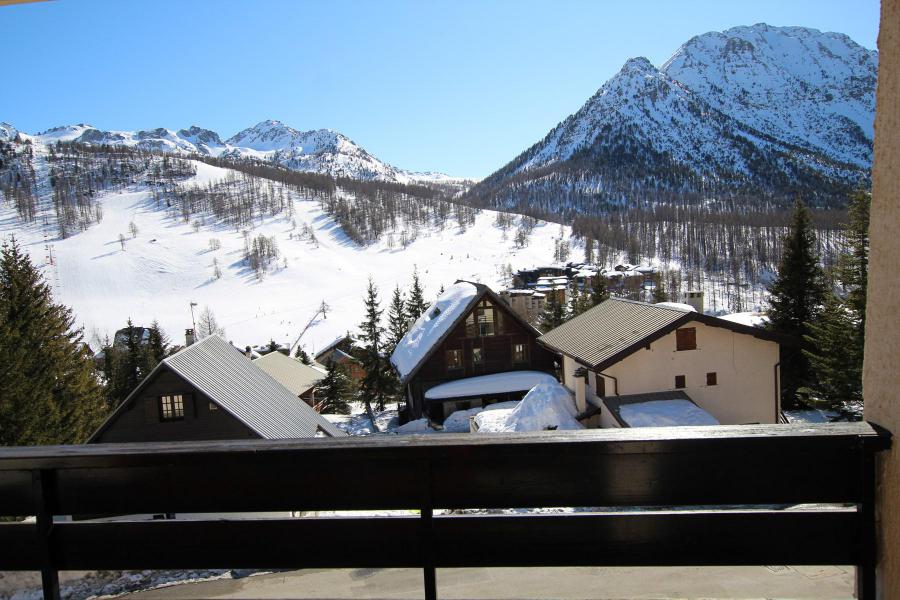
(757, 469)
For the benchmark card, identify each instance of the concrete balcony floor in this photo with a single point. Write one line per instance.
(820, 582)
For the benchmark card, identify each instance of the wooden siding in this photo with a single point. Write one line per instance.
(139, 422)
(497, 353)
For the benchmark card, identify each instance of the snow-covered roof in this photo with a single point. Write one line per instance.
(677, 306)
(665, 413)
(657, 409)
(497, 383)
(432, 325)
(750, 319)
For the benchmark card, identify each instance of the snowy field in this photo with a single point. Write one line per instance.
(169, 265)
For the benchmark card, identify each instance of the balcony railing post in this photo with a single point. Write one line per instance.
(865, 571)
(427, 518)
(44, 483)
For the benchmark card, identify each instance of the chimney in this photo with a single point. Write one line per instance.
(188, 337)
(695, 299)
(248, 352)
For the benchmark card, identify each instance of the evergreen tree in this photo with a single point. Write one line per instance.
(416, 304)
(796, 298)
(836, 340)
(599, 291)
(659, 289)
(133, 355)
(157, 348)
(397, 323)
(553, 315)
(375, 386)
(853, 264)
(302, 356)
(49, 390)
(835, 360)
(333, 392)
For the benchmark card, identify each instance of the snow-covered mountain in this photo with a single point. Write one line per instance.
(142, 259)
(319, 151)
(752, 110)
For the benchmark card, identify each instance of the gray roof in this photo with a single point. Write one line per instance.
(609, 328)
(227, 377)
(616, 328)
(292, 374)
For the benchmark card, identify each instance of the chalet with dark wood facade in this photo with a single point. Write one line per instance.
(469, 349)
(211, 391)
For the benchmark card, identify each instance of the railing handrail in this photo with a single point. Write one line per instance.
(674, 467)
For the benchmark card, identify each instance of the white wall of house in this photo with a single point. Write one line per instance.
(744, 365)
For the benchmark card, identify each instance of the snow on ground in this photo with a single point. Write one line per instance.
(431, 325)
(358, 422)
(547, 405)
(665, 413)
(169, 265)
(497, 383)
(811, 415)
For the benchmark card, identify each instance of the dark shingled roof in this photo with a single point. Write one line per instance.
(616, 328)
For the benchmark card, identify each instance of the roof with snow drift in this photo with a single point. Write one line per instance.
(436, 323)
(290, 373)
(222, 373)
(496, 383)
(616, 328)
(657, 409)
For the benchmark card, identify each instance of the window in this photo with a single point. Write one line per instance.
(213, 407)
(480, 321)
(679, 381)
(519, 353)
(711, 379)
(454, 359)
(686, 338)
(171, 408)
(600, 384)
(477, 357)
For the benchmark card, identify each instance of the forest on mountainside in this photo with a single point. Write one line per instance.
(733, 243)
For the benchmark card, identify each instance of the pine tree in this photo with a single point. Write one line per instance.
(416, 304)
(553, 315)
(374, 387)
(836, 340)
(132, 359)
(49, 390)
(796, 298)
(853, 264)
(302, 356)
(659, 289)
(157, 347)
(835, 360)
(599, 291)
(397, 322)
(333, 392)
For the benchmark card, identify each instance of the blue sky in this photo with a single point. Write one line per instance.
(455, 86)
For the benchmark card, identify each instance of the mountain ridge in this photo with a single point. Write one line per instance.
(323, 151)
(739, 112)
